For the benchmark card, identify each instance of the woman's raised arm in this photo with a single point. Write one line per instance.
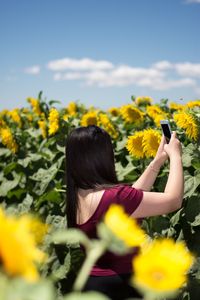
(154, 203)
(148, 177)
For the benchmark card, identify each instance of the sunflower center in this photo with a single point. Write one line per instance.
(133, 114)
(158, 275)
(92, 121)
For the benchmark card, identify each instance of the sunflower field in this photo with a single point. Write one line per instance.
(32, 188)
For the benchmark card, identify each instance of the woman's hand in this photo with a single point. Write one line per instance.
(161, 155)
(173, 149)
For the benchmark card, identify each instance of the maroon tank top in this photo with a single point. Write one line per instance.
(129, 198)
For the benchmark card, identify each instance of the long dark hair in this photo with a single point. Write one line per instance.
(89, 164)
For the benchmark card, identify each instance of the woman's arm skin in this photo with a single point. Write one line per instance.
(154, 203)
(148, 177)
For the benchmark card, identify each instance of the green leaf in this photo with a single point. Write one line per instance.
(191, 183)
(43, 178)
(60, 148)
(4, 284)
(121, 144)
(10, 167)
(5, 151)
(176, 217)
(24, 162)
(192, 208)
(25, 206)
(16, 193)
(187, 156)
(52, 196)
(19, 289)
(62, 270)
(122, 172)
(196, 163)
(8, 185)
(47, 154)
(70, 236)
(158, 225)
(30, 158)
(186, 159)
(34, 133)
(58, 222)
(86, 296)
(196, 221)
(51, 102)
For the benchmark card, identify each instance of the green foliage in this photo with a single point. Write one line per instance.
(33, 180)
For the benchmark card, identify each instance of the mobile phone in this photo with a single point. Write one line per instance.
(166, 129)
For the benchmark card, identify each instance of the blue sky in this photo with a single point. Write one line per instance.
(99, 52)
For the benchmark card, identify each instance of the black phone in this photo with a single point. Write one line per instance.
(166, 129)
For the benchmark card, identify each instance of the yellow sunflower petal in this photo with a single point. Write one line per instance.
(124, 227)
(18, 251)
(132, 114)
(161, 267)
(150, 142)
(90, 118)
(187, 122)
(134, 145)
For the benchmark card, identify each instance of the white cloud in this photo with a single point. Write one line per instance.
(162, 75)
(192, 1)
(168, 84)
(33, 70)
(188, 69)
(79, 64)
(69, 76)
(185, 69)
(123, 76)
(163, 65)
(120, 76)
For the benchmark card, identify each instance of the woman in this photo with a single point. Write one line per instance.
(92, 186)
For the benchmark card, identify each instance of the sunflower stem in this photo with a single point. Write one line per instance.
(93, 255)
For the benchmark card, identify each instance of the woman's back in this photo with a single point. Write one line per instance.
(124, 195)
(88, 201)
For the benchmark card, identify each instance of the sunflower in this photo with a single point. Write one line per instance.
(7, 139)
(90, 118)
(18, 251)
(104, 121)
(150, 142)
(192, 104)
(132, 114)
(161, 267)
(135, 144)
(53, 121)
(35, 105)
(14, 115)
(72, 108)
(158, 118)
(143, 100)
(42, 126)
(175, 106)
(156, 113)
(124, 227)
(154, 110)
(4, 112)
(186, 121)
(114, 111)
(2, 123)
(66, 117)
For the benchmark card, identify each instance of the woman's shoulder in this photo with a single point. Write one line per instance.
(119, 192)
(124, 195)
(119, 188)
